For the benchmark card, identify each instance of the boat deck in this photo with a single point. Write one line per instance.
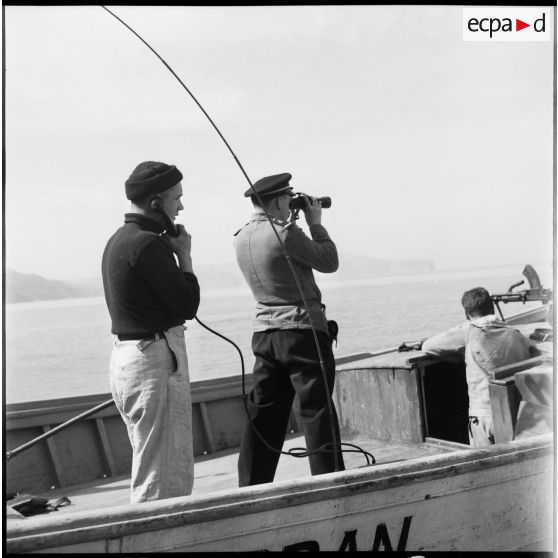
(218, 471)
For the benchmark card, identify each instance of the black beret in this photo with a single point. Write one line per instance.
(270, 185)
(151, 177)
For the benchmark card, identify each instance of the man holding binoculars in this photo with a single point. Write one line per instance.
(287, 360)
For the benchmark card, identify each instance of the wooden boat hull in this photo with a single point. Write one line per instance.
(474, 499)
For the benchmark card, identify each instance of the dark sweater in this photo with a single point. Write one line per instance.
(145, 290)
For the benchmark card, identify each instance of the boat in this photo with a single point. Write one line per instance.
(419, 488)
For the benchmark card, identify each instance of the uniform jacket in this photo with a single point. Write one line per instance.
(265, 268)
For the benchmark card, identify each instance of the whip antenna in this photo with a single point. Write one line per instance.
(184, 86)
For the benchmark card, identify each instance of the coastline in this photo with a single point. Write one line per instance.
(327, 281)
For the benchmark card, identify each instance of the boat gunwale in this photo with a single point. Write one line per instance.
(109, 523)
(204, 390)
(77, 402)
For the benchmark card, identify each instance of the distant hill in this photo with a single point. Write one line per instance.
(21, 287)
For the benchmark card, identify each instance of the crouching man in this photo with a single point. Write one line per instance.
(485, 343)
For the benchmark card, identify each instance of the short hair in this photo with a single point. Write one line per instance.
(266, 200)
(477, 302)
(142, 201)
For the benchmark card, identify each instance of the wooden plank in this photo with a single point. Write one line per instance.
(510, 369)
(31, 471)
(381, 360)
(76, 402)
(105, 445)
(423, 359)
(422, 396)
(381, 404)
(38, 417)
(226, 420)
(55, 458)
(114, 546)
(504, 399)
(207, 428)
(119, 443)
(446, 444)
(407, 402)
(222, 390)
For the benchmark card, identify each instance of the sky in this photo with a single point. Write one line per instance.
(431, 147)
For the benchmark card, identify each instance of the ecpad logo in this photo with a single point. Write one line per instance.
(494, 24)
(506, 24)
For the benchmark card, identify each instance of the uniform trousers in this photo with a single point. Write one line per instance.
(287, 363)
(150, 385)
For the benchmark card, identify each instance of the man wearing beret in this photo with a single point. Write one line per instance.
(150, 290)
(287, 360)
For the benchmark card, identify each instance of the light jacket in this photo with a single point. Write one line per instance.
(484, 343)
(259, 255)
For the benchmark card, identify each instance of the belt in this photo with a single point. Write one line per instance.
(139, 337)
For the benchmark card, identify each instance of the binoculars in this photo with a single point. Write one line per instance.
(297, 201)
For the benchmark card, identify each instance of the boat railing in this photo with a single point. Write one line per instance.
(88, 429)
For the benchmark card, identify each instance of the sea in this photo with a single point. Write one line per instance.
(62, 348)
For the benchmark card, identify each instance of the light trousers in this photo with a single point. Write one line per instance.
(150, 385)
(481, 432)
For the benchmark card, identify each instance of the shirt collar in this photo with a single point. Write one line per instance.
(258, 216)
(484, 320)
(261, 216)
(144, 222)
